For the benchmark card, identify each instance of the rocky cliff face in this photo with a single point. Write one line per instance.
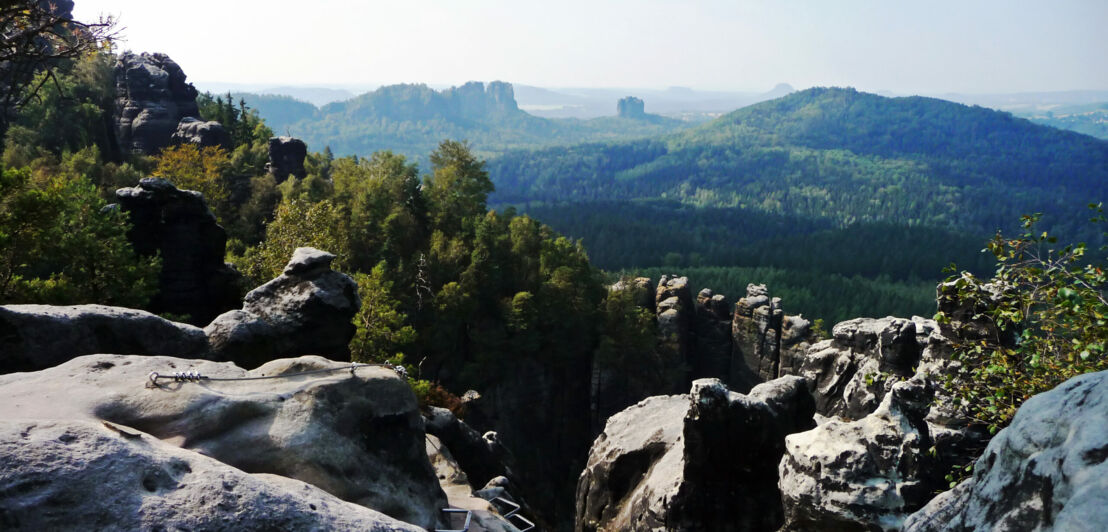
(177, 224)
(203, 134)
(356, 435)
(152, 96)
(705, 460)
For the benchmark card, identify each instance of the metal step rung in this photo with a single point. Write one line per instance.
(465, 527)
(517, 520)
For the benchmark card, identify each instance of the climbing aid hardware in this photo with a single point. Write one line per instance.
(194, 376)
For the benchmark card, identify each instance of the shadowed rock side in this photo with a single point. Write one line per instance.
(1048, 470)
(702, 461)
(307, 309)
(286, 158)
(767, 343)
(151, 98)
(356, 436)
(178, 225)
(85, 475)
(34, 337)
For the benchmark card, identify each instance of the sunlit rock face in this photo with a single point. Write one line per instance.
(151, 97)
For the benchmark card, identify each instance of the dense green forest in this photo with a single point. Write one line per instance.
(412, 119)
(822, 182)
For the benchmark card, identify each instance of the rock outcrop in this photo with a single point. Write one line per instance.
(177, 224)
(306, 310)
(286, 158)
(866, 474)
(84, 475)
(853, 371)
(151, 98)
(204, 134)
(356, 434)
(702, 461)
(1048, 470)
(630, 107)
(711, 352)
(675, 314)
(34, 337)
(481, 457)
(767, 343)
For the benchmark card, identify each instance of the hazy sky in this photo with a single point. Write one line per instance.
(925, 46)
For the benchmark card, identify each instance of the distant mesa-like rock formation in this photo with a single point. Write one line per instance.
(286, 158)
(630, 107)
(151, 99)
(307, 309)
(355, 435)
(177, 224)
(706, 460)
(204, 134)
(479, 100)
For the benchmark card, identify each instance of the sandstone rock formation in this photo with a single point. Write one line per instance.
(85, 475)
(34, 337)
(630, 107)
(675, 311)
(460, 494)
(306, 310)
(286, 157)
(481, 457)
(711, 352)
(204, 134)
(702, 461)
(357, 435)
(1048, 470)
(177, 224)
(865, 474)
(767, 344)
(152, 97)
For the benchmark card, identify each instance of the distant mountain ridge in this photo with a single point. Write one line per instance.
(836, 154)
(412, 119)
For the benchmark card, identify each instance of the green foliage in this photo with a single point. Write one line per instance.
(297, 223)
(190, 167)
(58, 244)
(241, 122)
(1048, 321)
(381, 333)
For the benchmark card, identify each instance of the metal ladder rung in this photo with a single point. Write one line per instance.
(465, 527)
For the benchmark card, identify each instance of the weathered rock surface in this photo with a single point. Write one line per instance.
(766, 343)
(702, 461)
(711, 353)
(853, 371)
(1048, 470)
(675, 312)
(177, 224)
(286, 157)
(459, 492)
(356, 436)
(306, 310)
(204, 134)
(152, 97)
(34, 337)
(866, 474)
(642, 291)
(85, 475)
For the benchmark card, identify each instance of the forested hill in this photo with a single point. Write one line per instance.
(412, 119)
(835, 154)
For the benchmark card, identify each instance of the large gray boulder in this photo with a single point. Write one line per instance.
(867, 474)
(306, 310)
(357, 435)
(151, 98)
(34, 337)
(1048, 470)
(702, 461)
(86, 475)
(204, 134)
(178, 226)
(767, 344)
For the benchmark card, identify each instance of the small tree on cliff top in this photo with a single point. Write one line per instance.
(1053, 311)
